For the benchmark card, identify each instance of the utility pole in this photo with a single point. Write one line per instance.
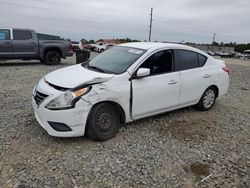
(214, 37)
(213, 41)
(150, 26)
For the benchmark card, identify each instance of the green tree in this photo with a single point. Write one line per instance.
(215, 43)
(91, 41)
(84, 41)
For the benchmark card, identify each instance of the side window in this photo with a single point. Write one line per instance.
(4, 34)
(202, 60)
(21, 35)
(189, 59)
(160, 62)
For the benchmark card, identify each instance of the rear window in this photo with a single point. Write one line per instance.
(189, 59)
(4, 34)
(21, 35)
(202, 60)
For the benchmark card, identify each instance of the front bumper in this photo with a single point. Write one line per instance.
(74, 118)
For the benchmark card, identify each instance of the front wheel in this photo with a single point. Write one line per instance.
(52, 58)
(207, 100)
(103, 123)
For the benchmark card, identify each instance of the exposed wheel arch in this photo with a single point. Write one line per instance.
(103, 122)
(208, 98)
(119, 108)
(216, 89)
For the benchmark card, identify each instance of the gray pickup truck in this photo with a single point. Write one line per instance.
(25, 44)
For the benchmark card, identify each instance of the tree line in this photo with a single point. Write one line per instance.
(92, 41)
(237, 47)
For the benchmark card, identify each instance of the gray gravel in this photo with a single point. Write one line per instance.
(176, 149)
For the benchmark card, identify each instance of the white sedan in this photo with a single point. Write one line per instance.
(126, 83)
(102, 48)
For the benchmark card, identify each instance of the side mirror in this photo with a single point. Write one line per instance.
(142, 72)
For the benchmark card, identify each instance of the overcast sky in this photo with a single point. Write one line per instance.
(189, 20)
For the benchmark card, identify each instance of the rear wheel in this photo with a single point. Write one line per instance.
(207, 100)
(52, 58)
(103, 122)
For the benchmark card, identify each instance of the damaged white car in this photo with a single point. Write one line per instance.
(126, 83)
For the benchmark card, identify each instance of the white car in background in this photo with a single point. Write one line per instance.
(246, 54)
(126, 83)
(93, 46)
(102, 48)
(211, 53)
(76, 45)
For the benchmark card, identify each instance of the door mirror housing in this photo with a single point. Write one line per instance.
(142, 72)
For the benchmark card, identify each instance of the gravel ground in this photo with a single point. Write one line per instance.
(176, 149)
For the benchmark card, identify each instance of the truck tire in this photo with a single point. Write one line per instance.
(52, 58)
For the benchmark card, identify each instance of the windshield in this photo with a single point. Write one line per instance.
(116, 60)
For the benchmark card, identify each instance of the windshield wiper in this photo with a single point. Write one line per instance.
(87, 65)
(96, 68)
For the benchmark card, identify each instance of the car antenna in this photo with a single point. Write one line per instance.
(181, 42)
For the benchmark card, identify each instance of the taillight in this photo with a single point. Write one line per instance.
(226, 69)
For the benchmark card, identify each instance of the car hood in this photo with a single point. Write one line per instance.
(74, 76)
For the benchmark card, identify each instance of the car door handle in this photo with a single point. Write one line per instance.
(172, 82)
(7, 43)
(32, 43)
(206, 76)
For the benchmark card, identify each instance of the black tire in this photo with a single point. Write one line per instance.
(207, 99)
(52, 58)
(103, 122)
(102, 50)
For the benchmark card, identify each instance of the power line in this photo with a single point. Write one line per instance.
(168, 22)
(68, 19)
(70, 5)
(184, 24)
(53, 9)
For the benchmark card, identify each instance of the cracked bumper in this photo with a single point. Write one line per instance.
(75, 118)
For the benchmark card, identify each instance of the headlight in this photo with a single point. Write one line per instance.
(67, 100)
(34, 90)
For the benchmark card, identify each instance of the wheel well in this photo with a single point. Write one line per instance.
(53, 49)
(216, 90)
(118, 108)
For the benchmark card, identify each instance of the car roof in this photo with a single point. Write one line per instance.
(17, 28)
(159, 45)
(149, 45)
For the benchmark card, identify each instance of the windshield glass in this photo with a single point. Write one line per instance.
(116, 60)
